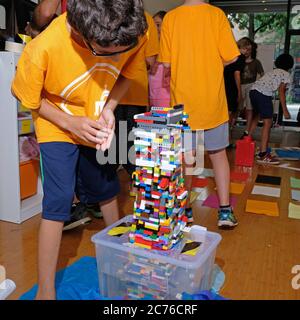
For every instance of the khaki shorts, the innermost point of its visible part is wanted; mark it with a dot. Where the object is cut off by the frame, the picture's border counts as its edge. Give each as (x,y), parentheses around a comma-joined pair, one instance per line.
(246,102)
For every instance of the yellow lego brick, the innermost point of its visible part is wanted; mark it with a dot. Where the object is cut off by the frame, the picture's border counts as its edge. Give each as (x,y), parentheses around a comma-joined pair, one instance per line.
(166,223)
(142,245)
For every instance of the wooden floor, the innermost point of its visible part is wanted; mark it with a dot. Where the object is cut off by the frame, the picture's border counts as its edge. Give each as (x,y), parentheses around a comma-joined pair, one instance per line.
(257,257)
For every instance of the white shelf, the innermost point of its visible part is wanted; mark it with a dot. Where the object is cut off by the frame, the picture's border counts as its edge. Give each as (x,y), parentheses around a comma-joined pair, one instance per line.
(33,205)
(12,209)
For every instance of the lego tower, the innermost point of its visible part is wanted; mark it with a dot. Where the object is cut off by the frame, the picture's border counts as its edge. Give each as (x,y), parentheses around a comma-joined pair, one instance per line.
(159,208)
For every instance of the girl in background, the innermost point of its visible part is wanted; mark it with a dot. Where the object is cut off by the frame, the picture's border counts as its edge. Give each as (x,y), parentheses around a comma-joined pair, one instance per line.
(159,90)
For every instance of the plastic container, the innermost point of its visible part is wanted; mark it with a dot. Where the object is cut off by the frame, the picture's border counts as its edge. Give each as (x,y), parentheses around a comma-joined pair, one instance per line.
(136,273)
(29,172)
(22,108)
(245,152)
(25,125)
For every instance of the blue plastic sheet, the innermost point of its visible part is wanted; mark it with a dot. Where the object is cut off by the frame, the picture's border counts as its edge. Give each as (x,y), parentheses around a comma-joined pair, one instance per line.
(79,281)
(293,154)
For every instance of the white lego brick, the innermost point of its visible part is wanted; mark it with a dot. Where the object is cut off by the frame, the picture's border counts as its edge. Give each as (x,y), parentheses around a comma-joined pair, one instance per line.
(144,163)
(142,143)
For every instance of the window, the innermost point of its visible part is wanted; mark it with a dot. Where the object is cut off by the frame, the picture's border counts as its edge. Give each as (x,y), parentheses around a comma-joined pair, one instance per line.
(2,17)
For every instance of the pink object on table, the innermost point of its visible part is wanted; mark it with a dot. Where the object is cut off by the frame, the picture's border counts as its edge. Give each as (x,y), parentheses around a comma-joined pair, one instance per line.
(212,201)
(159,96)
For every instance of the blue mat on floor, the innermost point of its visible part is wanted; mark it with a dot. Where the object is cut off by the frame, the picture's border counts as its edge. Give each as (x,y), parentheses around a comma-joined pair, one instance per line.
(79,281)
(293,154)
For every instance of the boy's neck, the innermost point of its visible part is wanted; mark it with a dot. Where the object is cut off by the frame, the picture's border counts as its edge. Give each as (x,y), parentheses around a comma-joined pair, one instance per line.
(193,2)
(75,36)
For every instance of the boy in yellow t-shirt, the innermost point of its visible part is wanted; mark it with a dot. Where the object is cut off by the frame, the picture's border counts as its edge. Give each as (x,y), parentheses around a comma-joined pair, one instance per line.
(196,43)
(72,76)
(135,100)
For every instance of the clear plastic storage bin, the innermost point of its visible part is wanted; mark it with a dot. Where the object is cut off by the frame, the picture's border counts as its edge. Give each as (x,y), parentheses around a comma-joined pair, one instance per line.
(131,272)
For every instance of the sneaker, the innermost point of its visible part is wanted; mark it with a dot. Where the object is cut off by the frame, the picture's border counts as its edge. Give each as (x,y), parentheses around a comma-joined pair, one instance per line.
(226,218)
(94,210)
(267,159)
(78,217)
(189,214)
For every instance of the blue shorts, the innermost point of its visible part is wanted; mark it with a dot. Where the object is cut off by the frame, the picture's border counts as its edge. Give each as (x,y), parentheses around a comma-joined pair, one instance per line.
(69,169)
(262,105)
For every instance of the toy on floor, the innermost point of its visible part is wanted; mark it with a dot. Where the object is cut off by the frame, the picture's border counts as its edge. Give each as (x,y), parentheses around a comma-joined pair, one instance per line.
(159,208)
(245,152)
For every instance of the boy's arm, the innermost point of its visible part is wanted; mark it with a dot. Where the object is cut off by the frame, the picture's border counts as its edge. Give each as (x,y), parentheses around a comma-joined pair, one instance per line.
(42,16)
(107,118)
(166,75)
(282,91)
(237,77)
(44,12)
(150,61)
(260,70)
(86,129)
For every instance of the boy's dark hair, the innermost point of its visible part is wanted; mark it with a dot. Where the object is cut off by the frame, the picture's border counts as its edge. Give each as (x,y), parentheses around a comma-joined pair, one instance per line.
(161,14)
(284,61)
(108,22)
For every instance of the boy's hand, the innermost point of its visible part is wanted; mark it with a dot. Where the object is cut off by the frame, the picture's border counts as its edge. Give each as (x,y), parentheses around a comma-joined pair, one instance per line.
(286,114)
(31,31)
(88,130)
(166,77)
(154,68)
(107,120)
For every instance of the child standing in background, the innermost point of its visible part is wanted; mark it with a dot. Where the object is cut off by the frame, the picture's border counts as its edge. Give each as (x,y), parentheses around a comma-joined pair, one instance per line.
(261,98)
(253,70)
(232,77)
(159,92)
(196,42)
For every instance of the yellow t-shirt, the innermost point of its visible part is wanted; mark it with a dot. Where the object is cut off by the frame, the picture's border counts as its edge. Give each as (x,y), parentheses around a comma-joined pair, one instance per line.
(196,40)
(55,67)
(137,94)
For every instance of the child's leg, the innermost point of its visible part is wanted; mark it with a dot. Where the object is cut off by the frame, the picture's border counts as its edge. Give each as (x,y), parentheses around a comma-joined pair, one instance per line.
(188,165)
(255,102)
(97,183)
(253,124)
(48,250)
(265,135)
(222,175)
(110,210)
(249,106)
(249,117)
(216,140)
(58,170)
